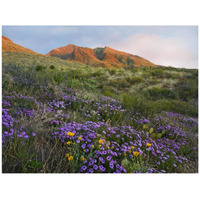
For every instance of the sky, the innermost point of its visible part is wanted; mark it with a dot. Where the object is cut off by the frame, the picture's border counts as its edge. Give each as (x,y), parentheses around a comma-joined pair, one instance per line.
(163,45)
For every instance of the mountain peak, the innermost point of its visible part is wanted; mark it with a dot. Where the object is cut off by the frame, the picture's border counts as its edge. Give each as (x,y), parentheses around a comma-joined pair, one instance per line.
(5,38)
(99,57)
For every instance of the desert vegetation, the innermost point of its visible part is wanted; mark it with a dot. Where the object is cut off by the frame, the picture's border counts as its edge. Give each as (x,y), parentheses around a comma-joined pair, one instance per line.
(66,117)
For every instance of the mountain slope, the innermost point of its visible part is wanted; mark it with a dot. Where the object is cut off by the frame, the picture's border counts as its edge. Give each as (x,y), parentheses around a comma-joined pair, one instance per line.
(99,57)
(8,45)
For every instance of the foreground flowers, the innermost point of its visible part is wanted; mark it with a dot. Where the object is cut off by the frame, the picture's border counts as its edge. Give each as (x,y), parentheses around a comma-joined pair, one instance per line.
(148,144)
(70,158)
(97,146)
(70,134)
(136,153)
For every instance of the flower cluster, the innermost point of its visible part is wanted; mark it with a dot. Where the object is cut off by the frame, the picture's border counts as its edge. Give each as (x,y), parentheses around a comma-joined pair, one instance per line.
(95,145)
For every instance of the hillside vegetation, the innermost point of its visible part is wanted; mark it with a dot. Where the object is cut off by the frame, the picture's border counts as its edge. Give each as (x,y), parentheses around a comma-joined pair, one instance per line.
(60,116)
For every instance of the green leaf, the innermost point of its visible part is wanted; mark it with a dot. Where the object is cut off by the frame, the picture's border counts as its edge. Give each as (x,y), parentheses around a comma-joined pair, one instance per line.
(163,132)
(153,135)
(145,126)
(151,130)
(85,96)
(159,135)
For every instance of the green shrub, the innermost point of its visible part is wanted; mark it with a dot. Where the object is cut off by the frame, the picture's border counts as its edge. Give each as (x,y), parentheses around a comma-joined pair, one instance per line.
(58,77)
(97,73)
(188,89)
(39,68)
(157,73)
(137,104)
(112,83)
(108,93)
(146,75)
(135,80)
(129,61)
(123,83)
(52,67)
(112,71)
(160,93)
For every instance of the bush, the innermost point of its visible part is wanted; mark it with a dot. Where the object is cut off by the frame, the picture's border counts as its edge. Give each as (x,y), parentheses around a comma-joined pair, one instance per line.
(112,83)
(58,77)
(157,73)
(137,104)
(188,89)
(108,93)
(97,73)
(112,71)
(135,80)
(52,67)
(160,93)
(123,83)
(39,68)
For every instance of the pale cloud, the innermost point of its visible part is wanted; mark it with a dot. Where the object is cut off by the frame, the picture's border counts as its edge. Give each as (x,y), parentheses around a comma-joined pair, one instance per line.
(159,50)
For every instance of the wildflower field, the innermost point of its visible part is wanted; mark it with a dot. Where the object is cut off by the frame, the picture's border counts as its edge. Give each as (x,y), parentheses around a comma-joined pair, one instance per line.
(65,117)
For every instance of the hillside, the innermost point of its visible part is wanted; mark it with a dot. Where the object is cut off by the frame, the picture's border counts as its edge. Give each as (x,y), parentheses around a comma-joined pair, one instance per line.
(99,57)
(10,46)
(60,114)
(27,59)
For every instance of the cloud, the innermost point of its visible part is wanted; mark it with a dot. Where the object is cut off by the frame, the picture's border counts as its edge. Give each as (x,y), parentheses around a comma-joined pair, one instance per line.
(160,50)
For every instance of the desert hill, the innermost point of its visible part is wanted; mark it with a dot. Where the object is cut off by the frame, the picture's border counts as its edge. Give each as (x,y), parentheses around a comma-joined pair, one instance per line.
(8,45)
(99,57)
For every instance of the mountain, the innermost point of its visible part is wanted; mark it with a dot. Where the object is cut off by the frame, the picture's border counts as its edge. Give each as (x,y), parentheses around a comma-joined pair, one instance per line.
(99,57)
(10,46)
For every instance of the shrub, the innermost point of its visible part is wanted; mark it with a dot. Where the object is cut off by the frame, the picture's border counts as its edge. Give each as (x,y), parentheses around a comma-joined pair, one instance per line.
(97,73)
(135,80)
(112,71)
(137,104)
(112,83)
(188,89)
(146,75)
(52,67)
(157,73)
(108,93)
(160,93)
(39,68)
(58,77)
(123,83)
(129,61)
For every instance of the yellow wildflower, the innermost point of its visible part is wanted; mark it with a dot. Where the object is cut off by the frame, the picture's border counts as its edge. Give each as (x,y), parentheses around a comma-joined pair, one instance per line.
(132,147)
(148,144)
(68,143)
(92,146)
(66,155)
(129,151)
(70,134)
(80,138)
(70,158)
(101,141)
(82,158)
(136,153)
(124,154)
